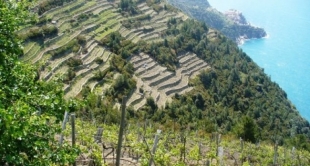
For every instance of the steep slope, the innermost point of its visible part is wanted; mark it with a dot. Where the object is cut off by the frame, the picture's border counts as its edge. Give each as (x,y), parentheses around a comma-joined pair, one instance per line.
(169,66)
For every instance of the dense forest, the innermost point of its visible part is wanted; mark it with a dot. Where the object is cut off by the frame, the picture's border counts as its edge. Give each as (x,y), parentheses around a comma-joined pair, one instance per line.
(233,97)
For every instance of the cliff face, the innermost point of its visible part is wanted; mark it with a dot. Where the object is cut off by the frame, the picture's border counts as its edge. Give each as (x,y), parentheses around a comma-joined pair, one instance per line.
(231,23)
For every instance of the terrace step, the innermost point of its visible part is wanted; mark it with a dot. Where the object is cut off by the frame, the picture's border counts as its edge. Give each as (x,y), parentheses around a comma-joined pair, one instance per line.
(154,94)
(104,7)
(178,89)
(54,47)
(136,39)
(76,88)
(149,12)
(89,50)
(56,8)
(190,62)
(135,98)
(92,8)
(141,5)
(150,36)
(144,35)
(92,85)
(86,76)
(122,30)
(99,52)
(163,77)
(106,55)
(55,65)
(143,8)
(171,83)
(87,69)
(146,68)
(58,72)
(139,58)
(140,104)
(192,66)
(158,16)
(143,63)
(154,69)
(131,36)
(150,77)
(183,59)
(197,70)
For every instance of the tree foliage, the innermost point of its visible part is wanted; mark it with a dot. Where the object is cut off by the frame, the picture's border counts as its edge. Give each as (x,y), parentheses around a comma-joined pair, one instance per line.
(30,110)
(128,6)
(247,129)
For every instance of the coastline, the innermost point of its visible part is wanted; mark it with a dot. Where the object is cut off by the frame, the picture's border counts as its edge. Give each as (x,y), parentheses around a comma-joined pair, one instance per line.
(288,42)
(243,39)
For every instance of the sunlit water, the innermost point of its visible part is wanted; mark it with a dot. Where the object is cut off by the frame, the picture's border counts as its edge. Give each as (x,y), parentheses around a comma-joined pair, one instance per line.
(285,54)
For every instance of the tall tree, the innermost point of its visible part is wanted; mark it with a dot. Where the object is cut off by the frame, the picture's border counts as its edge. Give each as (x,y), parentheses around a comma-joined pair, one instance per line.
(247,129)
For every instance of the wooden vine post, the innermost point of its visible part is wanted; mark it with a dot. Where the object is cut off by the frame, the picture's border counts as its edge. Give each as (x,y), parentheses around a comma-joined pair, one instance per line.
(200,149)
(63,127)
(218,140)
(73,132)
(121,131)
(241,144)
(275,158)
(208,163)
(220,155)
(183,150)
(284,159)
(154,147)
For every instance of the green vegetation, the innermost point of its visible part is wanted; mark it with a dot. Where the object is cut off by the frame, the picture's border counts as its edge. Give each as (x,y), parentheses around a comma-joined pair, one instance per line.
(155,4)
(30,109)
(232,96)
(176,146)
(128,6)
(37,33)
(235,86)
(71,46)
(119,45)
(46,5)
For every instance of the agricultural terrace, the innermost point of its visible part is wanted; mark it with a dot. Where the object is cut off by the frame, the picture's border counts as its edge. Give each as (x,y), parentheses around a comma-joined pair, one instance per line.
(72,52)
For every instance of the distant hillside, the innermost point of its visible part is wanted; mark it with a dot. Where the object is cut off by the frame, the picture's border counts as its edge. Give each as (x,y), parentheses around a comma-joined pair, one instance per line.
(231,23)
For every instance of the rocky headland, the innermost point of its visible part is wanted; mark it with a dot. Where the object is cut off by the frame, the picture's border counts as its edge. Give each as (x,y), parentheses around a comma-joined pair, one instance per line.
(231,23)
(242,27)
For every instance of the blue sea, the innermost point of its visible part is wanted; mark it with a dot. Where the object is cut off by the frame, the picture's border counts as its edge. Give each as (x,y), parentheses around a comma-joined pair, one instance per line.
(285,53)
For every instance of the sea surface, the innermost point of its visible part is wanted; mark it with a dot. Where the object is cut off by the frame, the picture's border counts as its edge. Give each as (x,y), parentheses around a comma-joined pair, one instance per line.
(285,53)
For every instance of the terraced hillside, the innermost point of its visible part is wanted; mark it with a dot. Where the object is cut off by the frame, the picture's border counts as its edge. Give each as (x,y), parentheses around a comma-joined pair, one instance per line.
(151,24)
(73,53)
(154,80)
(80,25)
